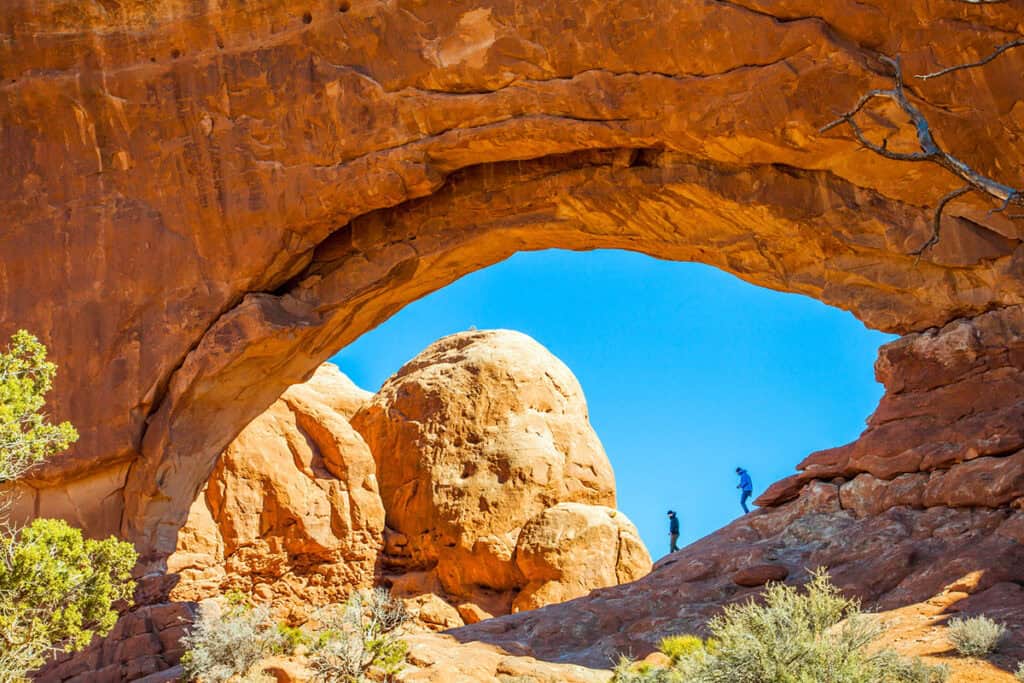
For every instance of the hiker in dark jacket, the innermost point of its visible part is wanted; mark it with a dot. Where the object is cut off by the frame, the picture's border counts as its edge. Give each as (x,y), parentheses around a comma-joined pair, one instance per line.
(673,531)
(745,486)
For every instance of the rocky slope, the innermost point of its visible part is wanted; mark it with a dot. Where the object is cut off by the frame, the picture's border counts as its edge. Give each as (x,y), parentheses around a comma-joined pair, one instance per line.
(926,508)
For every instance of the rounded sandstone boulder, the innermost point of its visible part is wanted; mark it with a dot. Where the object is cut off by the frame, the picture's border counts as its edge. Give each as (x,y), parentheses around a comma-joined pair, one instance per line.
(572,548)
(478,434)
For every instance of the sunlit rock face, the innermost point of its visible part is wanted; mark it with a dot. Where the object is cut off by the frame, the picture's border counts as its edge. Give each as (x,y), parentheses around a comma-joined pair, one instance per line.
(479,435)
(203,203)
(291,514)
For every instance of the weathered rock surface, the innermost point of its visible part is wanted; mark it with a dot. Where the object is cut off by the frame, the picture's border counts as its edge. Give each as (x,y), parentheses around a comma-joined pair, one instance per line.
(899,557)
(203,203)
(949,429)
(144,642)
(475,437)
(480,435)
(291,514)
(571,548)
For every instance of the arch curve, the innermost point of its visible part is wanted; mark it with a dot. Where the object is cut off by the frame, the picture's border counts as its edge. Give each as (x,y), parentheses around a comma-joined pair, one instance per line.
(212,226)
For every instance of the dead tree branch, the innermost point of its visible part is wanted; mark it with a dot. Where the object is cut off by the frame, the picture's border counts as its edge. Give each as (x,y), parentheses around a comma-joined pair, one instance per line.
(928,150)
(970,65)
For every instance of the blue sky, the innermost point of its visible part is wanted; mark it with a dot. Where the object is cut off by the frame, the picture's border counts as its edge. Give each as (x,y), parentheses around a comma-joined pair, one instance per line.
(688,371)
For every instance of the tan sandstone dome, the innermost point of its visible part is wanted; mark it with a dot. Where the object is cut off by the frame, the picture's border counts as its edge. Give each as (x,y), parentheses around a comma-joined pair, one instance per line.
(474,437)
(291,512)
(570,548)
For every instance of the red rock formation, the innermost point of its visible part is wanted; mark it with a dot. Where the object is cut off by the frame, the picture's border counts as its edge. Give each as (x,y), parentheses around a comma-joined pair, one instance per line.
(949,429)
(204,203)
(477,439)
(291,514)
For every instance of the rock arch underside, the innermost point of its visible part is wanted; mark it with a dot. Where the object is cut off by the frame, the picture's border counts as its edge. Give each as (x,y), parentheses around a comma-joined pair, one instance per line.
(202,202)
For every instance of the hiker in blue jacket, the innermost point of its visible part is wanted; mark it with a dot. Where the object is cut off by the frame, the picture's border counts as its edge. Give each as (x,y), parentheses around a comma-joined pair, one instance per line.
(673,531)
(745,486)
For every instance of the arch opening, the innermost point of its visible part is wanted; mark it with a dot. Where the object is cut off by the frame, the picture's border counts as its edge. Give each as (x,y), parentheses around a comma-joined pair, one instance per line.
(725,374)
(685,369)
(649,201)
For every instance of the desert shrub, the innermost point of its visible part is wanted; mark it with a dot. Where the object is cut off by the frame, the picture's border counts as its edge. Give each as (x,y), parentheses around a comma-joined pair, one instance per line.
(57,589)
(678,647)
(292,637)
(1019,674)
(358,638)
(629,671)
(25,435)
(976,636)
(229,641)
(814,636)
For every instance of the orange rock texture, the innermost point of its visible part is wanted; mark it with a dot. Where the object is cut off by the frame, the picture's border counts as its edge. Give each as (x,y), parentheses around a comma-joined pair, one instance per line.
(291,514)
(479,437)
(485,442)
(203,202)
(476,439)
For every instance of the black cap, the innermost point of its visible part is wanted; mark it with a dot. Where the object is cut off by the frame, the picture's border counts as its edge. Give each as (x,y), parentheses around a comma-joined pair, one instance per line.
(671,512)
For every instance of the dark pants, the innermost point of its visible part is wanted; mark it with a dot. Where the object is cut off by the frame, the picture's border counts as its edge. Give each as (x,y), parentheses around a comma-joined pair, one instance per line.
(743,500)
(672,546)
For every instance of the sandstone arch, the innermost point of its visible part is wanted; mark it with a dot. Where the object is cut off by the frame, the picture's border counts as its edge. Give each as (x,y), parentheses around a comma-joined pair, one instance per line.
(207,202)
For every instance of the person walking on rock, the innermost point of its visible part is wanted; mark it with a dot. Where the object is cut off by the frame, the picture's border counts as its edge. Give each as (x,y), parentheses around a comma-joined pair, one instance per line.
(746,488)
(673,531)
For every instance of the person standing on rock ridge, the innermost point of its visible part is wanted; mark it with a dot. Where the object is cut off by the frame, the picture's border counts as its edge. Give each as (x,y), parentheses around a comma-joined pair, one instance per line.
(673,531)
(746,488)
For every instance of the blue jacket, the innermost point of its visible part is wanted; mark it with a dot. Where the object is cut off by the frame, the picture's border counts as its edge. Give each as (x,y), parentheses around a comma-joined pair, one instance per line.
(673,525)
(745,483)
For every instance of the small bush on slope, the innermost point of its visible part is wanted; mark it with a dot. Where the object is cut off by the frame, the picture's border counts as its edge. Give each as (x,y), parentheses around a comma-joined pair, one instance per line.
(977,636)
(230,642)
(56,592)
(678,647)
(359,638)
(817,636)
(1019,675)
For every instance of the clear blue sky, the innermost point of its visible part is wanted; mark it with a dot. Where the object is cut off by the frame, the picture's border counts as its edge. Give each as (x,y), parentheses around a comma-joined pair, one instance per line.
(688,371)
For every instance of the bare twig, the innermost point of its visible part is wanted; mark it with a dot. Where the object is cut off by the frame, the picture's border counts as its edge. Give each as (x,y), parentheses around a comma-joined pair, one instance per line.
(937,219)
(928,150)
(971,65)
